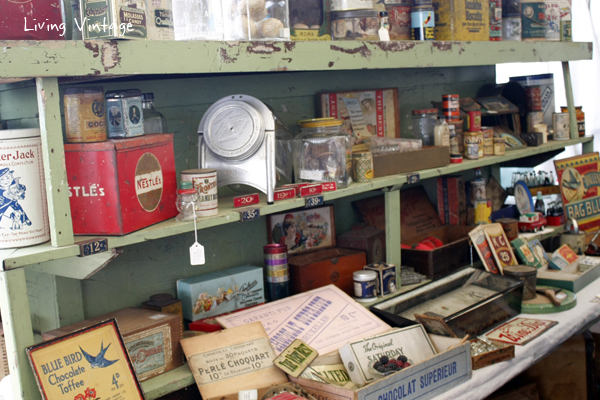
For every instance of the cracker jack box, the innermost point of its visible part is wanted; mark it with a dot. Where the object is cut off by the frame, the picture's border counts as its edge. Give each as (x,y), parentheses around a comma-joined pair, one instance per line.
(221,292)
(228,361)
(449,367)
(325,319)
(152,338)
(121,185)
(420,219)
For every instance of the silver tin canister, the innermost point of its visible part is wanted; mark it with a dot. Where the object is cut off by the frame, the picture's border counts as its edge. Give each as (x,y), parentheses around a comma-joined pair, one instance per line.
(23,206)
(124,117)
(205,181)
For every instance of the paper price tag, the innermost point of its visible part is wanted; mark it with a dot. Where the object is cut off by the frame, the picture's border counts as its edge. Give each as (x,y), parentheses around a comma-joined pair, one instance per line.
(197,254)
(384,35)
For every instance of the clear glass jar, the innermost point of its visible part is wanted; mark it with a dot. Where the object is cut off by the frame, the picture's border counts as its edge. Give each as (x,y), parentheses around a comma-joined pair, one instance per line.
(323,153)
(511,28)
(256,20)
(186,202)
(423,123)
(154,121)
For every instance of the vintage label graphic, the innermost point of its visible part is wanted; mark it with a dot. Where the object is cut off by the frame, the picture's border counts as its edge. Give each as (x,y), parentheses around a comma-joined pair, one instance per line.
(148,182)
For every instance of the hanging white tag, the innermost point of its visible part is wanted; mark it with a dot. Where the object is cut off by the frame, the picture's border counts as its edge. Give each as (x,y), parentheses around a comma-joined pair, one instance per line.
(384,35)
(197,254)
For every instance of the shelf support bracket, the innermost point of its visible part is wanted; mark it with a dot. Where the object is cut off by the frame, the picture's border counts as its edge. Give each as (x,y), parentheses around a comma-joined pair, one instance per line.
(57,190)
(392,229)
(570,100)
(18,332)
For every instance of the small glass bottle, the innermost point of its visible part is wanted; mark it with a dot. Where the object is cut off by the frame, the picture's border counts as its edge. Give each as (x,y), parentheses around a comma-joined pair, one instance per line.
(539,204)
(186,201)
(441,134)
(154,121)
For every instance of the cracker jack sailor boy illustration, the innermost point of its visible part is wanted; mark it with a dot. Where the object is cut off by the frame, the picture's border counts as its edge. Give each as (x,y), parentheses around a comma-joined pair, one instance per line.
(11,191)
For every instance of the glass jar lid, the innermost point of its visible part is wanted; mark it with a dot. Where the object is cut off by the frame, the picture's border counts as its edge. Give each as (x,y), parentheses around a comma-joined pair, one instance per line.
(319,122)
(119,94)
(432,111)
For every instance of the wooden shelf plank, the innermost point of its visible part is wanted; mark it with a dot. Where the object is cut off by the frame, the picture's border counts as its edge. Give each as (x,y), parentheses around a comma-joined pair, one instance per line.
(168,382)
(121,57)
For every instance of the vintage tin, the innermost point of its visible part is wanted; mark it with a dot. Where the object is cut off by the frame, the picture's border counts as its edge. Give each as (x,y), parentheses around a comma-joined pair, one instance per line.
(474,137)
(540,20)
(510,226)
(534,118)
(386,277)
(526,274)
(488,141)
(362,164)
(106,19)
(561,124)
(499,147)
(422,23)
(151,338)
(546,84)
(119,186)
(84,115)
(471,150)
(534,98)
(478,191)
(474,120)
(355,25)
(160,20)
(277,273)
(483,211)
(553,20)
(19,19)
(399,14)
(124,116)
(365,285)
(205,181)
(495,20)
(580,118)
(465,20)
(451,107)
(23,207)
(459,139)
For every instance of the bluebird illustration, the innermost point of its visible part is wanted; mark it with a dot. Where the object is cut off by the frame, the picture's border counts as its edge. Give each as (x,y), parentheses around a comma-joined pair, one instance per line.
(99,361)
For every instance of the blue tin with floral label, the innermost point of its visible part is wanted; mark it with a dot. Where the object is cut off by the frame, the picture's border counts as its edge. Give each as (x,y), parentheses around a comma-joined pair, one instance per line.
(124,117)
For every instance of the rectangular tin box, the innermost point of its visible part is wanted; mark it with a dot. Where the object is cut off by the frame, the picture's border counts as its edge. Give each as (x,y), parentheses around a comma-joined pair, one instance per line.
(452,202)
(451,367)
(386,277)
(152,338)
(221,292)
(18,20)
(368,239)
(325,267)
(467,20)
(108,19)
(399,163)
(483,315)
(119,186)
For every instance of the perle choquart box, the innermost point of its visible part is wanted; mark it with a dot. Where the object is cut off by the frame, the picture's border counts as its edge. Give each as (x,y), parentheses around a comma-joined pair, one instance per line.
(119,186)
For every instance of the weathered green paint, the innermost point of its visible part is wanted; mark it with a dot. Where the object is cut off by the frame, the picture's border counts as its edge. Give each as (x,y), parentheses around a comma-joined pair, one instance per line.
(570,101)
(168,382)
(587,147)
(18,333)
(392,229)
(129,57)
(59,210)
(76,267)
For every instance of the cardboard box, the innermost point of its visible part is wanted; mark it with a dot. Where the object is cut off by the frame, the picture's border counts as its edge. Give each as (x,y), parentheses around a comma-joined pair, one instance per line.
(371,113)
(119,186)
(452,201)
(365,238)
(152,339)
(465,20)
(325,267)
(419,220)
(423,381)
(399,163)
(221,292)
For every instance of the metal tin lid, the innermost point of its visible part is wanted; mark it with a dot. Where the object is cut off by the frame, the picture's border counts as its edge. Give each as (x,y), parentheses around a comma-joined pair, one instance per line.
(19,133)
(185,185)
(199,171)
(425,111)
(86,90)
(456,159)
(319,122)
(186,191)
(354,14)
(120,94)
(234,129)
(519,270)
(362,154)
(276,248)
(364,276)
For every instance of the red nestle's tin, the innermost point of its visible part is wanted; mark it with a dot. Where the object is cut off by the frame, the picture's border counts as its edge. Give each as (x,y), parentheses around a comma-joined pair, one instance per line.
(119,186)
(246,200)
(285,193)
(311,190)
(329,186)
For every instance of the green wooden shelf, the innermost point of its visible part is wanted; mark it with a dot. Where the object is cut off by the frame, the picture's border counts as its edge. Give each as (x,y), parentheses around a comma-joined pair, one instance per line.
(26,60)
(168,382)
(16,258)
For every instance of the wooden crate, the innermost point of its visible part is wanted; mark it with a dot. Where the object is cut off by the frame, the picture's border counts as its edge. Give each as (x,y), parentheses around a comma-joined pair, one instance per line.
(503,353)
(398,163)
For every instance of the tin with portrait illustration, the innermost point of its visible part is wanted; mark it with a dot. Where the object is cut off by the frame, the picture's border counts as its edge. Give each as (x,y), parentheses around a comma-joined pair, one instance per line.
(124,117)
(23,207)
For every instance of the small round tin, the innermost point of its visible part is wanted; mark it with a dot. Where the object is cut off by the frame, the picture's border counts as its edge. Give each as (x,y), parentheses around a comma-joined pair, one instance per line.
(524,273)
(362,164)
(365,285)
(499,147)
(422,22)
(471,151)
(399,12)
(205,181)
(510,226)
